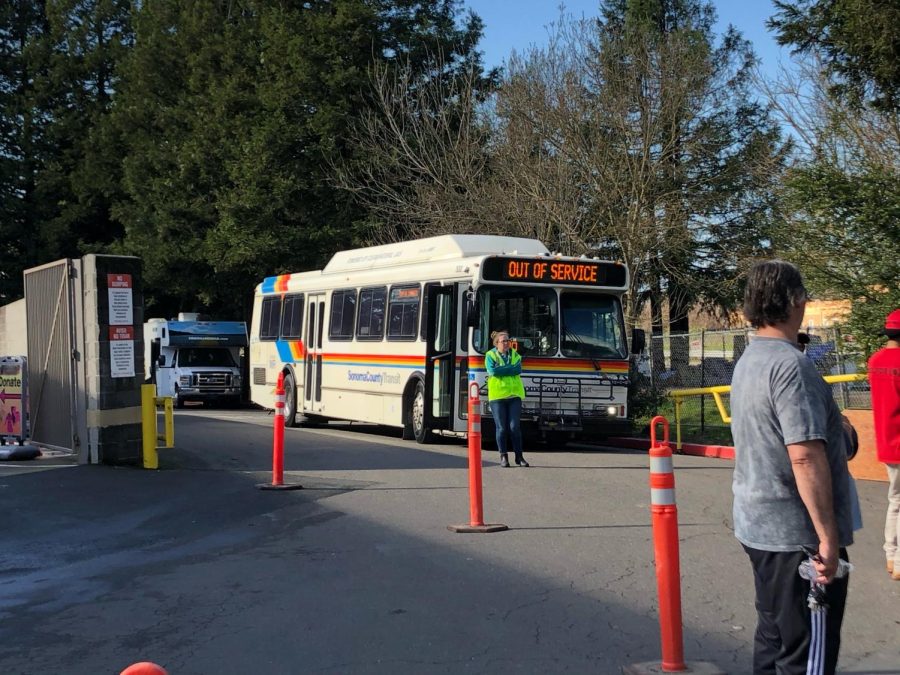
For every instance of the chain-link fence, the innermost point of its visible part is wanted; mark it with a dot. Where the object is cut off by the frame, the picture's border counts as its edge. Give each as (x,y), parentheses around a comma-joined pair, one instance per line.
(707,358)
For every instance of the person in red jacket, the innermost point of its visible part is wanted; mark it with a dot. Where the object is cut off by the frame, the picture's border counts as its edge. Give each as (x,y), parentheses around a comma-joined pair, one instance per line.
(884,380)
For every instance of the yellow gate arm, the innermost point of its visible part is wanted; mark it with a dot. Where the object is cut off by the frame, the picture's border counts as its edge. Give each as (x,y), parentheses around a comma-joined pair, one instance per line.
(678,396)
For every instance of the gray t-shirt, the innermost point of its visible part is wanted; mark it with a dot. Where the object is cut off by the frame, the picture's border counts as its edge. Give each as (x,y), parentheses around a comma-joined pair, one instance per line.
(778,399)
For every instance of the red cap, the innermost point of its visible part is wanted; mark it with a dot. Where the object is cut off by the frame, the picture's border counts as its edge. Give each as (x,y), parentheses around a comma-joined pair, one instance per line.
(892,322)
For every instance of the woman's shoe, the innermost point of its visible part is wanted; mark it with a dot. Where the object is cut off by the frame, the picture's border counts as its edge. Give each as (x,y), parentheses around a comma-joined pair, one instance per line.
(504,461)
(520,461)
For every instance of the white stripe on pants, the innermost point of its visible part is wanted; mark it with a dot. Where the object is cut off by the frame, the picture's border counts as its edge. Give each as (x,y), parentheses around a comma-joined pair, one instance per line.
(892,520)
(815,664)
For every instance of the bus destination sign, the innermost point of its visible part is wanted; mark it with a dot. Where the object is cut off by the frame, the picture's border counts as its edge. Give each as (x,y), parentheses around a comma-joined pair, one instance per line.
(556,272)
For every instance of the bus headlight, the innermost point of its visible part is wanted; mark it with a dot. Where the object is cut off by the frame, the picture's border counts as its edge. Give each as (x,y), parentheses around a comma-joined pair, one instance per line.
(612,411)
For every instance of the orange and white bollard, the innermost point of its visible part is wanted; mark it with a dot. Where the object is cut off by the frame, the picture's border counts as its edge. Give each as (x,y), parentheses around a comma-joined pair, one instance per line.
(144,668)
(665,547)
(664,515)
(278,443)
(476,505)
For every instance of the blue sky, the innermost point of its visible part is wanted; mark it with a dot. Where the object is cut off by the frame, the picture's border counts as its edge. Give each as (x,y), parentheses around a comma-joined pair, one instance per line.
(516,24)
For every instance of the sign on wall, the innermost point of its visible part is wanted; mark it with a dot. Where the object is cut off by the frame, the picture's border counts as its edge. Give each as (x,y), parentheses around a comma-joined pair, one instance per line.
(12,418)
(121,303)
(121,351)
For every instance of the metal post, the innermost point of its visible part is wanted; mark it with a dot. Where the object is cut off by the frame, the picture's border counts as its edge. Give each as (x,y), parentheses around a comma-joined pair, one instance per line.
(702,379)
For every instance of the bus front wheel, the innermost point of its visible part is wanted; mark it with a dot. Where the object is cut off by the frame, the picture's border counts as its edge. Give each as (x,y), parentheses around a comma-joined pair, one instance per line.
(417,414)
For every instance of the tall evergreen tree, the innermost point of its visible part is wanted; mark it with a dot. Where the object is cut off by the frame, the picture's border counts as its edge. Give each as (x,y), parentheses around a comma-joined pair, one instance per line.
(87,41)
(57,77)
(842,198)
(231,116)
(23,28)
(708,152)
(857,40)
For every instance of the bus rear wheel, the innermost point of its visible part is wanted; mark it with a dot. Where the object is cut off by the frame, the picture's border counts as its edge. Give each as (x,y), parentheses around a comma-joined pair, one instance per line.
(290,400)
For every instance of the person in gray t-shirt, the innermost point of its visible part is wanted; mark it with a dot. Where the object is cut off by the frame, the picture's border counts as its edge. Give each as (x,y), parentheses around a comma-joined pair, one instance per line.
(791,483)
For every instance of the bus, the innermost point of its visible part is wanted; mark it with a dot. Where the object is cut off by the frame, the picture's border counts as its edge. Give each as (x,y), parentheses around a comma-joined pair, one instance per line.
(393,334)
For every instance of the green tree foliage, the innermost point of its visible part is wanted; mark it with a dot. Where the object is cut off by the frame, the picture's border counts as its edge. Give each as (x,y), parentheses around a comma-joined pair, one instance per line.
(57,77)
(704,152)
(842,199)
(858,41)
(87,41)
(231,116)
(845,236)
(23,27)
(199,135)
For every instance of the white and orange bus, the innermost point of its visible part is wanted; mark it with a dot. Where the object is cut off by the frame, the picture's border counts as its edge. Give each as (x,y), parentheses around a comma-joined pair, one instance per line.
(392,335)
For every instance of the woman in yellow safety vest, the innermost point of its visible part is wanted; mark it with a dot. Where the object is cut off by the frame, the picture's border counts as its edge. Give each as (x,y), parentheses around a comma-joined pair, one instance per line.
(505,393)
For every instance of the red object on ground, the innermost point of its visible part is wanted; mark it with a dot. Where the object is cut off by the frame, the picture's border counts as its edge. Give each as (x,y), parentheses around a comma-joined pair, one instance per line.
(278,436)
(665,547)
(144,668)
(476,506)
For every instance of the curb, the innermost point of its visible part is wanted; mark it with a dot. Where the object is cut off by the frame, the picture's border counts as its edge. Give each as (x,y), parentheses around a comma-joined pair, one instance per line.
(696,449)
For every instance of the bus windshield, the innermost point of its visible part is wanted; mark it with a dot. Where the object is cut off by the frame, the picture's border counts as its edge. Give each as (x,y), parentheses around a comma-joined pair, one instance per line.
(591,326)
(529,314)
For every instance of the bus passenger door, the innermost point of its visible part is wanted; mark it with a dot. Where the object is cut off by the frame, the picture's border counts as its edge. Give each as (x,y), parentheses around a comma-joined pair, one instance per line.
(440,349)
(312,365)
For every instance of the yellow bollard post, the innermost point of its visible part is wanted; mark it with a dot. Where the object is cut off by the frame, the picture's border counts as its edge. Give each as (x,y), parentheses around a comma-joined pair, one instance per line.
(148,426)
(169,421)
(678,403)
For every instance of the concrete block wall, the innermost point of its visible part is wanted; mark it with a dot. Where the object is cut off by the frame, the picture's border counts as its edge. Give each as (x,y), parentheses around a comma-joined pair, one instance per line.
(113,403)
(13,329)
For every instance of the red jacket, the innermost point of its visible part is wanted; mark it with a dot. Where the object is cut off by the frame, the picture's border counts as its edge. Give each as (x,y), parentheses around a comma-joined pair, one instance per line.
(884,378)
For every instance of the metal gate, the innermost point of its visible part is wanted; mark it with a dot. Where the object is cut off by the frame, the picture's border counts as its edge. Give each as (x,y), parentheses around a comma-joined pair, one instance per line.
(53,300)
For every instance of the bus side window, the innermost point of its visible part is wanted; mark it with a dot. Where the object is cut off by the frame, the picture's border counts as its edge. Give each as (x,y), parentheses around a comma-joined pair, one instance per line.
(403,312)
(270,320)
(343,311)
(370,322)
(292,317)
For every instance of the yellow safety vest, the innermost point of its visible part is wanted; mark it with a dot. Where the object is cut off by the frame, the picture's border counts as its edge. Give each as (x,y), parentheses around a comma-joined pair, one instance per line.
(504,386)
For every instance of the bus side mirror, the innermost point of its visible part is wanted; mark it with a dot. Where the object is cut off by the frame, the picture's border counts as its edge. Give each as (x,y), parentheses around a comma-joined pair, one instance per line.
(638,341)
(473,312)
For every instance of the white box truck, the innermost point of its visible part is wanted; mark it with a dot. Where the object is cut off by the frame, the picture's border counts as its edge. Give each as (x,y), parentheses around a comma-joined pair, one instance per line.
(192,360)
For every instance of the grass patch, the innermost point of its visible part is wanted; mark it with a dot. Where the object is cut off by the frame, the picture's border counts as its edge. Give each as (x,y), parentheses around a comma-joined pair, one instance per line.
(700,421)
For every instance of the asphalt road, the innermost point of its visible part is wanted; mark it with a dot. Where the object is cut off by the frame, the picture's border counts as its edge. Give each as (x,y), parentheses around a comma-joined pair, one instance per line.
(194,568)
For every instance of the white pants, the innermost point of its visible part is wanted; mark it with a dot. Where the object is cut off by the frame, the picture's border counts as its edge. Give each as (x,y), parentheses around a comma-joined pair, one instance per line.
(892,521)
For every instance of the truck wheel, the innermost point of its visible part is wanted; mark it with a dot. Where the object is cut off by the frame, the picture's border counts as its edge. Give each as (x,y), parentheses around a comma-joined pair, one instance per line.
(179,402)
(290,401)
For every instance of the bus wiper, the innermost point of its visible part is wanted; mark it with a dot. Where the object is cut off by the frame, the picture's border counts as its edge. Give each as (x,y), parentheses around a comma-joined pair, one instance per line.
(584,347)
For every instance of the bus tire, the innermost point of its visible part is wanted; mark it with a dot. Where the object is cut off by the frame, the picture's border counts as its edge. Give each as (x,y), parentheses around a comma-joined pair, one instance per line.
(290,400)
(409,395)
(179,401)
(417,414)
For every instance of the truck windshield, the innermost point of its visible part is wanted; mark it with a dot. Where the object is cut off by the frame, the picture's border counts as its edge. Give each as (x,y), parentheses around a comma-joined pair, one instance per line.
(529,314)
(591,326)
(198,357)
